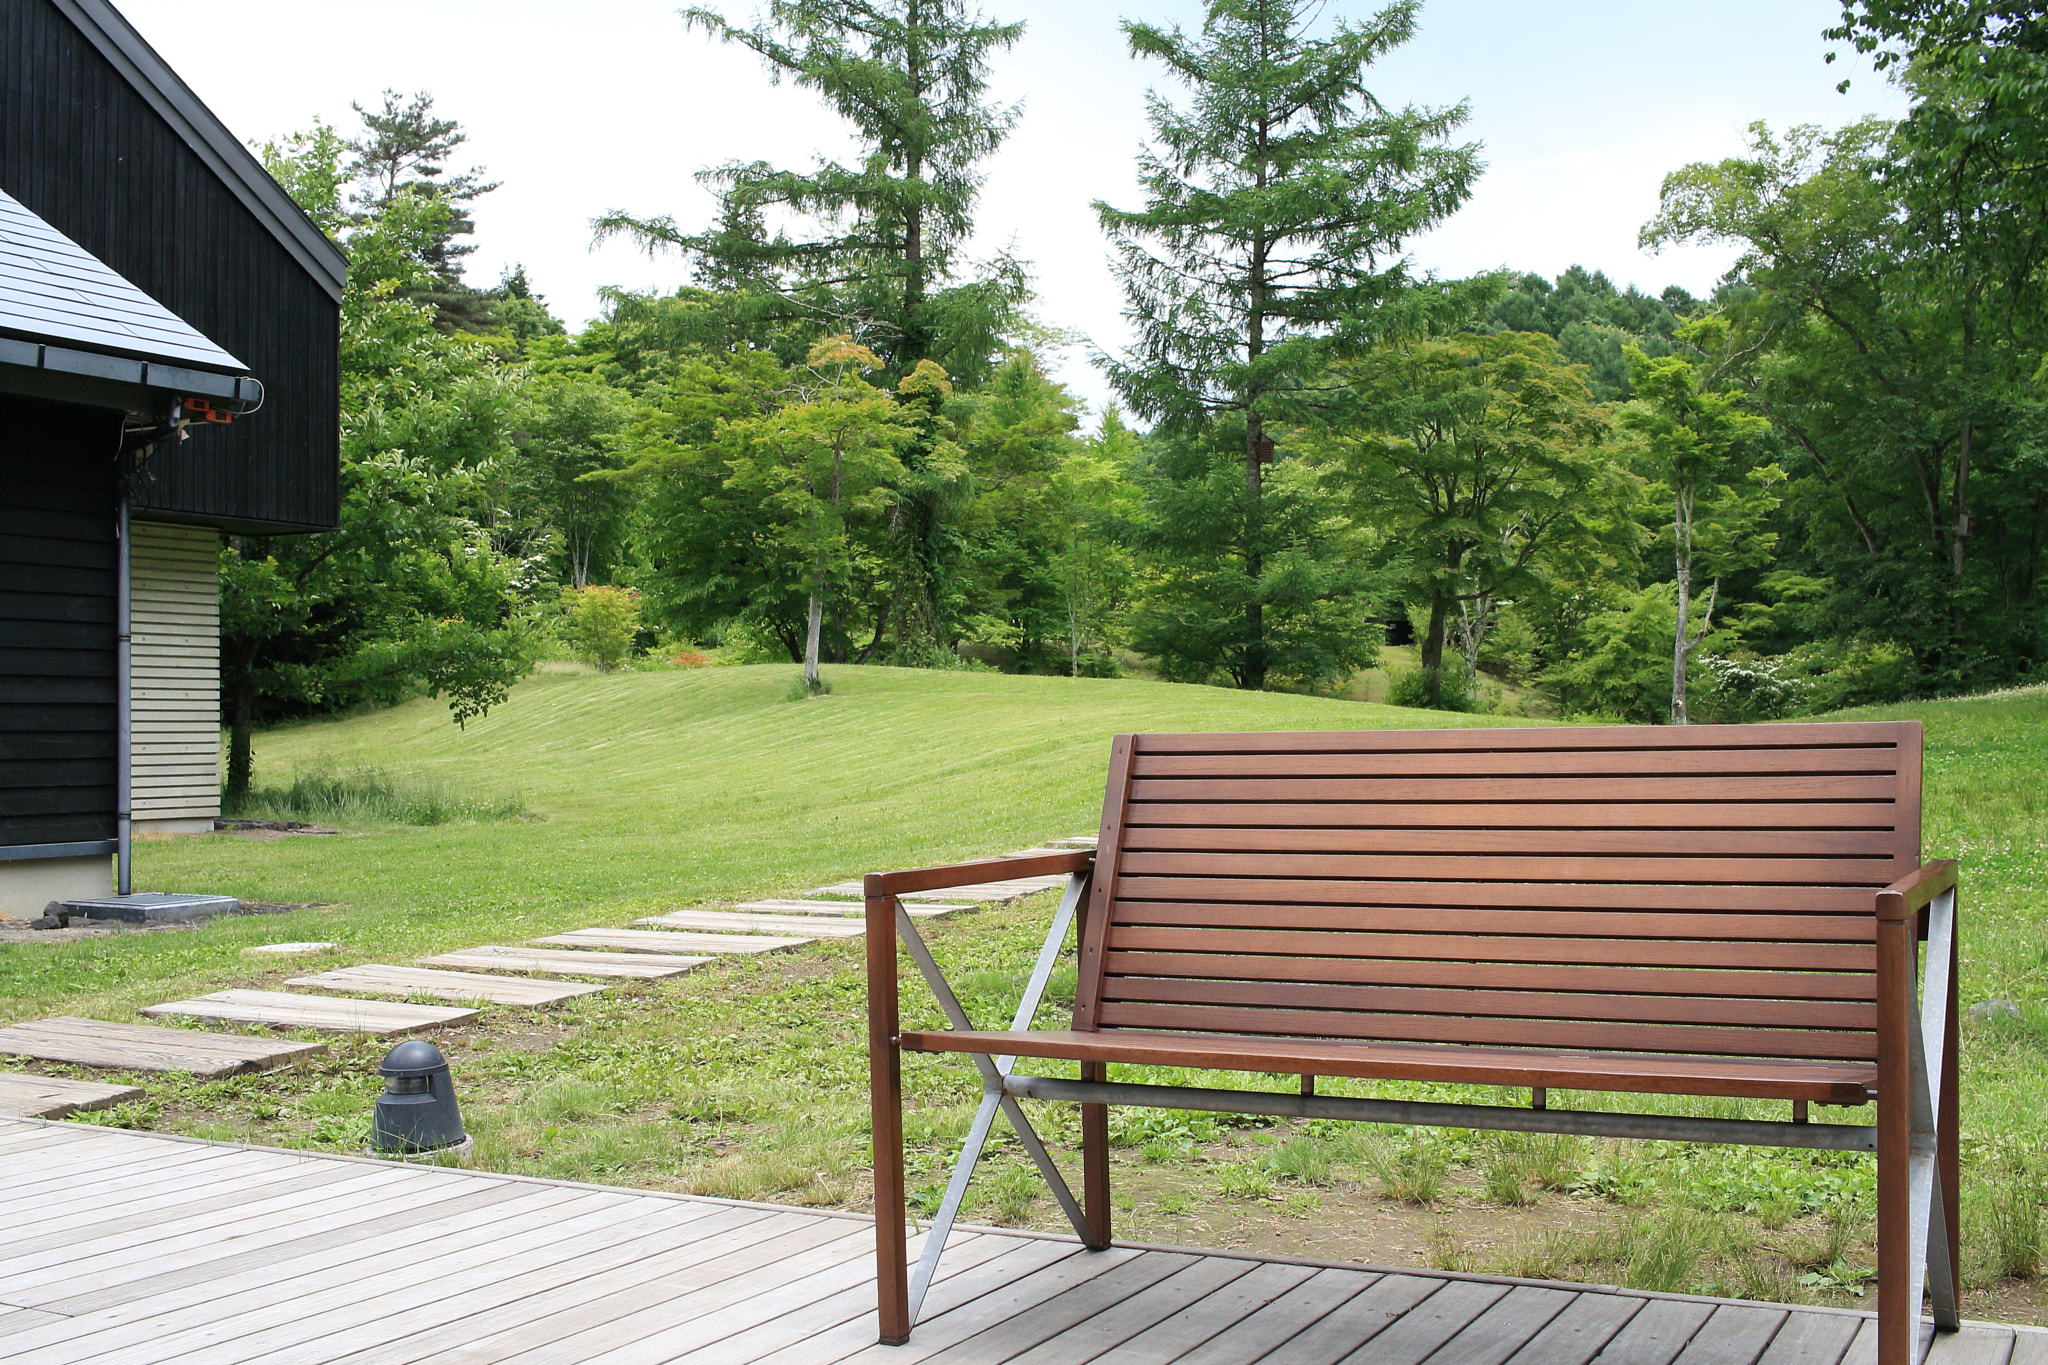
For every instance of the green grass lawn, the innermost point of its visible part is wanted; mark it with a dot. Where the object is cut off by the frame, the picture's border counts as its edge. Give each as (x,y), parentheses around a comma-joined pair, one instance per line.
(655,790)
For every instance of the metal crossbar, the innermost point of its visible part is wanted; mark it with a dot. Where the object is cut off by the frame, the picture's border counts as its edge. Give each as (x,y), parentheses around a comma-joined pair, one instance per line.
(995,1071)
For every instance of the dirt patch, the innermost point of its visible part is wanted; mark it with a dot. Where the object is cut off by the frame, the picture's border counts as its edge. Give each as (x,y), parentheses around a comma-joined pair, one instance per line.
(270,829)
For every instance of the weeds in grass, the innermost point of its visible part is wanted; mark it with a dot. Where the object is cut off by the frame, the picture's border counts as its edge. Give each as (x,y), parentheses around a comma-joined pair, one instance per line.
(1012,1191)
(1768,1279)
(1244,1180)
(1410,1172)
(1548,1255)
(1555,1159)
(1507,1172)
(1657,1251)
(1175,1203)
(1446,1252)
(373,796)
(2014,1205)
(1622,1175)
(800,688)
(1305,1161)
(1302,1203)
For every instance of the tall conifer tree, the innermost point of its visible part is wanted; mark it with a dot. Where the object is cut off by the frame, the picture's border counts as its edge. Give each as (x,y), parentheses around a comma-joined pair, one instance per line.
(1278,202)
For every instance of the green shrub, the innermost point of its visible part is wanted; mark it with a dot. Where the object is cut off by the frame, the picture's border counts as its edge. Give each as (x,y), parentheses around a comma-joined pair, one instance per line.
(602,623)
(1450,688)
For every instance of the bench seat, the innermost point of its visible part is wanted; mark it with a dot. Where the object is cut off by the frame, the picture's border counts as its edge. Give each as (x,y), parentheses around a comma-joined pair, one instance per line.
(1838,1083)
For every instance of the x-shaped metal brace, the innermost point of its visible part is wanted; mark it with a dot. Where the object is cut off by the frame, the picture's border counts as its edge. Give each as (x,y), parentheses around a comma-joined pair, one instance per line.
(993,1072)
(1931,1271)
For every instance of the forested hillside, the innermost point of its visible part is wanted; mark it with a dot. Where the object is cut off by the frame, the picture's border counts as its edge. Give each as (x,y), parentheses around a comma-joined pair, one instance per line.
(1823,485)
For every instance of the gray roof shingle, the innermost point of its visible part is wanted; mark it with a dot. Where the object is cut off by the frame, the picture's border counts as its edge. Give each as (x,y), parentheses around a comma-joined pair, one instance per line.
(55,292)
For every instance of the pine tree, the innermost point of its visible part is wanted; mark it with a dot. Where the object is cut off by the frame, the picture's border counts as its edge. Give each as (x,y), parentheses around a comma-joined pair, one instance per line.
(882,254)
(1278,202)
(402,149)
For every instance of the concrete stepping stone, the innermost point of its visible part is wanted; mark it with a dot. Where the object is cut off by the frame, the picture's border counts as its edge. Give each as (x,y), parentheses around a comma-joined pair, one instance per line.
(141,1047)
(722,921)
(51,1097)
(672,940)
(562,962)
(292,949)
(858,907)
(282,1009)
(1008,890)
(378,978)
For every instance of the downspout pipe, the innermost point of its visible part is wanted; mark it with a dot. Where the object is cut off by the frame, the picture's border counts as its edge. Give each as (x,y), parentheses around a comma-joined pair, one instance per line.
(124,710)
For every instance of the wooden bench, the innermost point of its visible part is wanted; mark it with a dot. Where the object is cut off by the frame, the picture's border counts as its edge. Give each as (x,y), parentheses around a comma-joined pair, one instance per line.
(1698,911)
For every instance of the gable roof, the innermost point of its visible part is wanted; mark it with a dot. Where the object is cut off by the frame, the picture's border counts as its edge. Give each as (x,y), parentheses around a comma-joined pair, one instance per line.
(235,165)
(55,292)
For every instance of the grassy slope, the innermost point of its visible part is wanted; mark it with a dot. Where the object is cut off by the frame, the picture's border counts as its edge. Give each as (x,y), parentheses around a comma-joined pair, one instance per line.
(664,789)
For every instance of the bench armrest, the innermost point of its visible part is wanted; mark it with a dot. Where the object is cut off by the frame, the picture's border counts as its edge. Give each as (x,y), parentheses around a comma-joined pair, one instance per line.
(877,884)
(1911,893)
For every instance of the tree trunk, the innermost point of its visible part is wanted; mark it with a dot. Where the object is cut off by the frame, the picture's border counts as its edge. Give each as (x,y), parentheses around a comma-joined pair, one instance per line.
(1679,648)
(817,619)
(1433,645)
(241,725)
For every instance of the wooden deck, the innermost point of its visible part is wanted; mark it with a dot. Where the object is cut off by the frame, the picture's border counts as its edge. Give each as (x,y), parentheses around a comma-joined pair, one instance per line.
(130,1247)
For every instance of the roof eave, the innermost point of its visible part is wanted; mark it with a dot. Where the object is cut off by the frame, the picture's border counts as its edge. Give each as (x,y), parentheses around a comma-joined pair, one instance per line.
(236,166)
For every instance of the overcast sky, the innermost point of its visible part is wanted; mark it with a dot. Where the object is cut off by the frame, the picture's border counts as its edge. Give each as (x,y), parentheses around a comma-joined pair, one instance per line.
(1583,107)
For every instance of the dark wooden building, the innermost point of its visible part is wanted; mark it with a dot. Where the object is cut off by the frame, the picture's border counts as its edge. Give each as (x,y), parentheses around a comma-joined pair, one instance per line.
(153,280)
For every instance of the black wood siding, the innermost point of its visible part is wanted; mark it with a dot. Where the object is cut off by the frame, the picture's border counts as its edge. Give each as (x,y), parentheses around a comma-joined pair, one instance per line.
(57,582)
(84,150)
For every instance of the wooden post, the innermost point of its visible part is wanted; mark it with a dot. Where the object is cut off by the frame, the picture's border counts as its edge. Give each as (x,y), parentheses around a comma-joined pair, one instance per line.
(885,1090)
(1897,1320)
(1095,1158)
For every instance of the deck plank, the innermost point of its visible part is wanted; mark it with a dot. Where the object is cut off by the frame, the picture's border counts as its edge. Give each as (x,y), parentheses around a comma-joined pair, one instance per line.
(1285,1317)
(1656,1334)
(1736,1334)
(496,957)
(1353,1324)
(385,1322)
(1215,1312)
(1009,1336)
(617,1314)
(1508,1324)
(1178,1293)
(1972,1345)
(1812,1339)
(23,1096)
(1581,1331)
(1415,1336)
(666,941)
(2029,1347)
(281,1009)
(377,978)
(144,1047)
(761,1334)
(942,1331)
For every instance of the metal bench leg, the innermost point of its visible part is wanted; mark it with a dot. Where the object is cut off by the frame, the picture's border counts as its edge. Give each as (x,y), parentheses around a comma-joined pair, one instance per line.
(993,1070)
(1916,1194)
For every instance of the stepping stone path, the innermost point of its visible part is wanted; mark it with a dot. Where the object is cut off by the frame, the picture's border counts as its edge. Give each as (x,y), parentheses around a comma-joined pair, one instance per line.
(813,926)
(378,979)
(840,908)
(281,1009)
(50,1097)
(670,940)
(646,953)
(140,1047)
(558,962)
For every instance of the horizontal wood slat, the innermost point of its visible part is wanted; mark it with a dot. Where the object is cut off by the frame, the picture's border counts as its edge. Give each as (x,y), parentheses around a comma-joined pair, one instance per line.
(1809,735)
(1794,957)
(1527,763)
(1635,1009)
(1472,790)
(1745,843)
(1548,923)
(1641,815)
(1680,1038)
(1826,1082)
(1869,872)
(1817,900)
(1499,975)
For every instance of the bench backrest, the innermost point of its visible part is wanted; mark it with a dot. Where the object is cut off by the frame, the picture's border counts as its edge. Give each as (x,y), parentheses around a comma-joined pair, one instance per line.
(1701,889)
